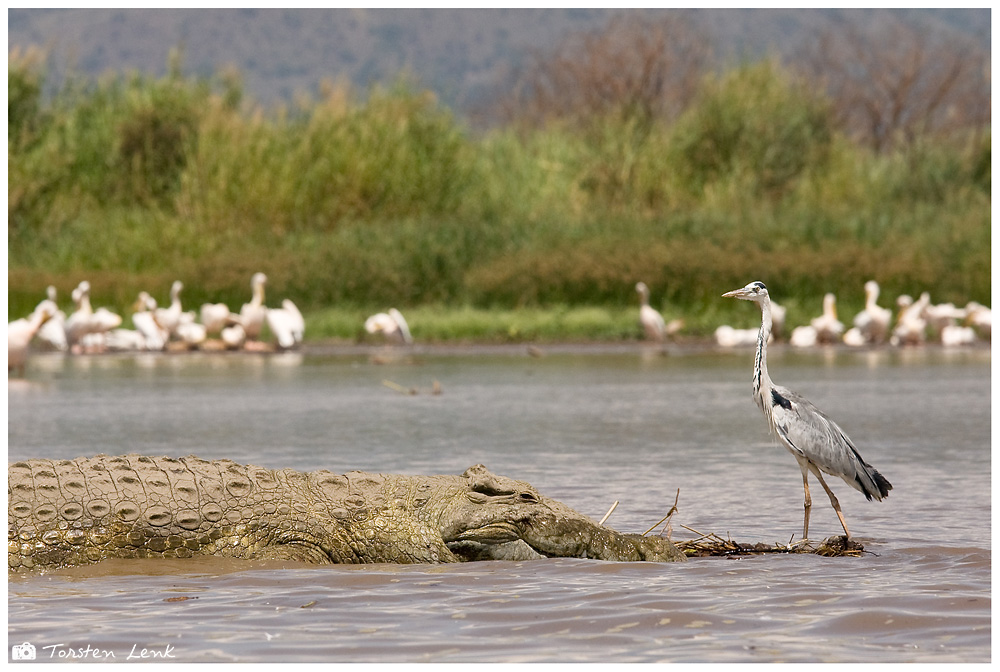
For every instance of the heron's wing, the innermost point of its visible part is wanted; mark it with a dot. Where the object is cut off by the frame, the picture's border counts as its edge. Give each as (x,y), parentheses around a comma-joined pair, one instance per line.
(808,432)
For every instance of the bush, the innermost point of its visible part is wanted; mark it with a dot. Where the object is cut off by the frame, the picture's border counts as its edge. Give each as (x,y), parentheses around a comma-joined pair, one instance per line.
(398,154)
(753,125)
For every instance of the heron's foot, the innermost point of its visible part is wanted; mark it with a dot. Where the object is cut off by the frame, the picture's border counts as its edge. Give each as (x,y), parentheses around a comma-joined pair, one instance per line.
(840,544)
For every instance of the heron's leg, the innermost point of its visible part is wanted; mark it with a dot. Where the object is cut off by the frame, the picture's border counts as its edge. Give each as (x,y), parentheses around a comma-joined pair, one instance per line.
(833,500)
(807,504)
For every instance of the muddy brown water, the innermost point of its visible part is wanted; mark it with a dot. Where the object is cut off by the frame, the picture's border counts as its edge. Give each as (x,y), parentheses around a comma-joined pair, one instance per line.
(588,426)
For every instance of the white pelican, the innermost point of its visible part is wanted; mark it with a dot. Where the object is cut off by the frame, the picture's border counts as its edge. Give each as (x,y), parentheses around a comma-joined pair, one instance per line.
(828,328)
(940,316)
(234,336)
(980,318)
(391,324)
(652,322)
(854,337)
(154,336)
(52,333)
(286,324)
(215,316)
(729,337)
(20,332)
(123,340)
(103,321)
(254,314)
(85,320)
(170,317)
(952,335)
(804,336)
(778,319)
(874,321)
(189,331)
(78,322)
(910,326)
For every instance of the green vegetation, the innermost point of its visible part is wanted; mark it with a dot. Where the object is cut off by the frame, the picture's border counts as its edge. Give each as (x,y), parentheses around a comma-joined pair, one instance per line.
(351,204)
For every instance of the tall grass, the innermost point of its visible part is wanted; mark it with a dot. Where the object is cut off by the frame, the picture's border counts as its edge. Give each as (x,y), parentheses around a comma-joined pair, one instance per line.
(354,202)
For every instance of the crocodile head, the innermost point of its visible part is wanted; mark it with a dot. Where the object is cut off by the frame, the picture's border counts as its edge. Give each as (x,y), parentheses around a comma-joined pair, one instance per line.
(504,519)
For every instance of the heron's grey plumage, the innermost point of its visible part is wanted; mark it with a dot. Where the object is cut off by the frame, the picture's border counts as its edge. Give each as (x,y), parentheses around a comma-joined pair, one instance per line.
(817,442)
(808,432)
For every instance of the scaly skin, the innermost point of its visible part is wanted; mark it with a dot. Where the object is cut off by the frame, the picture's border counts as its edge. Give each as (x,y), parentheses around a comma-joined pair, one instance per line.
(75,512)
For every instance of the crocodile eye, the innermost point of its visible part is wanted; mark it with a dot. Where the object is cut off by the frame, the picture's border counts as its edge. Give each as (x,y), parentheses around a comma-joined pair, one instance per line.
(527,497)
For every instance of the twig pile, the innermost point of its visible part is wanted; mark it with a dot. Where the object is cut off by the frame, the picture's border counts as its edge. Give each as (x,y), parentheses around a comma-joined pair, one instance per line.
(711,544)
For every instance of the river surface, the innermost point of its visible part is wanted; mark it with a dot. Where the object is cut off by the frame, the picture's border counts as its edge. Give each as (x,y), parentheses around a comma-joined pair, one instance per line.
(587,426)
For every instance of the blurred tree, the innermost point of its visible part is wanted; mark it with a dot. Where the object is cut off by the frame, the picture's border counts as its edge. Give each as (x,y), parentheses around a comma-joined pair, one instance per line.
(892,82)
(637,68)
(755,124)
(24,91)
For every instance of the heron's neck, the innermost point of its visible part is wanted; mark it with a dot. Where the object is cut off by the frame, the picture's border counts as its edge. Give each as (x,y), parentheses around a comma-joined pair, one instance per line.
(760,362)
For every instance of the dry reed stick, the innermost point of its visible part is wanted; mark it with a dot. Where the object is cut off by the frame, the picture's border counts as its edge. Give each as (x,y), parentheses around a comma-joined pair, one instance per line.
(608,514)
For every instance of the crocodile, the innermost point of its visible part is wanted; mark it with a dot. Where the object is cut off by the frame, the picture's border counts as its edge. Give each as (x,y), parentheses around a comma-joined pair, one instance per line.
(63,513)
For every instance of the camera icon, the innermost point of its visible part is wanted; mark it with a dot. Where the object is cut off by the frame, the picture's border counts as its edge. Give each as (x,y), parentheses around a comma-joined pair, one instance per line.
(24,651)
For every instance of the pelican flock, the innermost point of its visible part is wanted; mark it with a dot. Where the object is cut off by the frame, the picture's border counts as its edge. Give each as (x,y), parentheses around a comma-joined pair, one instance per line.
(156,328)
(215,327)
(917,322)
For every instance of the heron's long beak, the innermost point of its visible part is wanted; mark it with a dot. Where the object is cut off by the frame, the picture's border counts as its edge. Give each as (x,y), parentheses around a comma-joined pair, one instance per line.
(735,293)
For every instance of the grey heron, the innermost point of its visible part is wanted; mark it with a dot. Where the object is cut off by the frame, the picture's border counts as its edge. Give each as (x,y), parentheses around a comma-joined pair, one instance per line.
(817,442)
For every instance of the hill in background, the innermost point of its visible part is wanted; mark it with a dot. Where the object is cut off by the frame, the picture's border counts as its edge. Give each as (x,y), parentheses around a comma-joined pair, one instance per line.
(467,56)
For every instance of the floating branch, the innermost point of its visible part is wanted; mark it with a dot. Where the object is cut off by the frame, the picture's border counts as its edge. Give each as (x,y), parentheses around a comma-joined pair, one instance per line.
(435,388)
